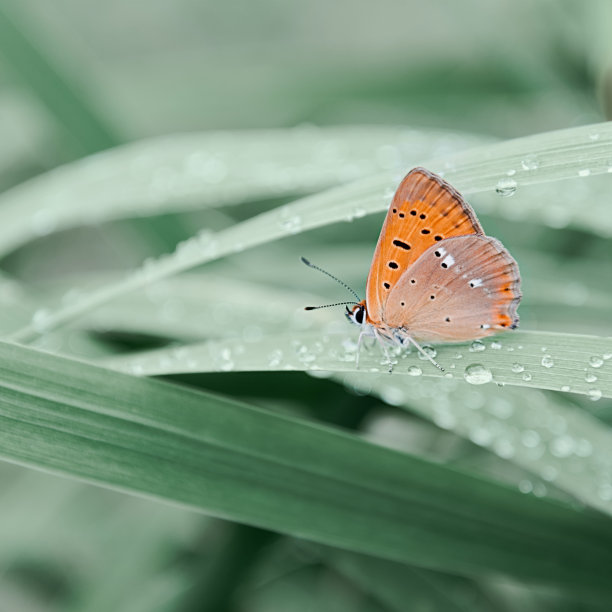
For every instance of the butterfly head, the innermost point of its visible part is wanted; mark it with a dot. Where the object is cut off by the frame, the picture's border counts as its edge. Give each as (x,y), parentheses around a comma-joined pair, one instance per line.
(357,314)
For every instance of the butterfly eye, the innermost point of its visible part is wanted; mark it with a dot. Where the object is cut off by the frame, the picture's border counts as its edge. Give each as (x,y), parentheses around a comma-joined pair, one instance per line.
(359,316)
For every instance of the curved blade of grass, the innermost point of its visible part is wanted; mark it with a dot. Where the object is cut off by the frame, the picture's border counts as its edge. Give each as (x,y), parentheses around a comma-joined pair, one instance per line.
(560,155)
(543,360)
(230,460)
(192,171)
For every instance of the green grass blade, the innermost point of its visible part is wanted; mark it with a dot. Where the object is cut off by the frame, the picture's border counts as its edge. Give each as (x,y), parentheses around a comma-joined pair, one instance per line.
(543,360)
(193,171)
(561,155)
(231,460)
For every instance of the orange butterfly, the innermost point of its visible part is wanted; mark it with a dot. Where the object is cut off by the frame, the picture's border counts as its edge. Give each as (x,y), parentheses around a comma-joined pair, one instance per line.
(435,276)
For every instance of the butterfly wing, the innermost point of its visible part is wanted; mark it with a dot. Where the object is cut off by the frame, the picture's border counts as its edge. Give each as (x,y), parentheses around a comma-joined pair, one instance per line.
(425,210)
(459,289)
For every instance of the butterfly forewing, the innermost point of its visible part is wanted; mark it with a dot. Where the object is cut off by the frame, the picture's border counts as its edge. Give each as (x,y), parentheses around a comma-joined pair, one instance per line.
(425,211)
(460,289)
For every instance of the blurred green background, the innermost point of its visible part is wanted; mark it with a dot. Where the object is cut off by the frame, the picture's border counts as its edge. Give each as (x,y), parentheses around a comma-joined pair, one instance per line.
(78,77)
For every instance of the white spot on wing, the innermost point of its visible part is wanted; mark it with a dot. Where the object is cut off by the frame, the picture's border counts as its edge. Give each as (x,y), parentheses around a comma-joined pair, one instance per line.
(448,260)
(476,282)
(441,250)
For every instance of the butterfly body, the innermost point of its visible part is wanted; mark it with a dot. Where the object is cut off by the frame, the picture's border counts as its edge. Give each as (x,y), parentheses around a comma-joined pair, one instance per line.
(435,275)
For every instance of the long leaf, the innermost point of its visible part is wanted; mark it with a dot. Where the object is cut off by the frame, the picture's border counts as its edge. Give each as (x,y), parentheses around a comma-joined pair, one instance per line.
(231,460)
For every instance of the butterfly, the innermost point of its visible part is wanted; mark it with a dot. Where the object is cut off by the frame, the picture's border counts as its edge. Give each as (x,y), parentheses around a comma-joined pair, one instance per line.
(435,275)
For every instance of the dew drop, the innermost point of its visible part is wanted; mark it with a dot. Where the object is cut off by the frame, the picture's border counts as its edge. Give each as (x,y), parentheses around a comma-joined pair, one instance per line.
(590,377)
(595,361)
(496,345)
(547,361)
(517,368)
(477,346)
(477,374)
(595,394)
(275,358)
(584,172)
(428,350)
(506,187)
(414,371)
(549,473)
(527,376)
(292,224)
(530,163)
(565,388)
(525,486)
(539,490)
(563,446)
(530,438)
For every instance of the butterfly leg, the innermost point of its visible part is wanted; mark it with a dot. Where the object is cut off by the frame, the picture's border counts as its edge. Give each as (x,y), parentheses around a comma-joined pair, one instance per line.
(390,361)
(359,343)
(422,351)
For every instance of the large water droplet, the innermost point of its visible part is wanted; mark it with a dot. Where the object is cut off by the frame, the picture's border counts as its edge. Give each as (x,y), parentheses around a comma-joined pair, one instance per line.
(477,374)
(517,368)
(596,361)
(414,371)
(547,361)
(506,187)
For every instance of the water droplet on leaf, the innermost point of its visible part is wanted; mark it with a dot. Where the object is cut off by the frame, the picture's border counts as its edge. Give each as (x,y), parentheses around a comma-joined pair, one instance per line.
(477,374)
(547,361)
(506,187)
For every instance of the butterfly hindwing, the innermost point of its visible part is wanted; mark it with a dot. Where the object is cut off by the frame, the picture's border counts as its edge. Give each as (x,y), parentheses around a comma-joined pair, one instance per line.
(462,288)
(425,211)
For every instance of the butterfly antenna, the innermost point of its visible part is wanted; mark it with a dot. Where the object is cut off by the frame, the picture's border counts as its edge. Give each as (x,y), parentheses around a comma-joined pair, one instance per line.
(311,265)
(328,305)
